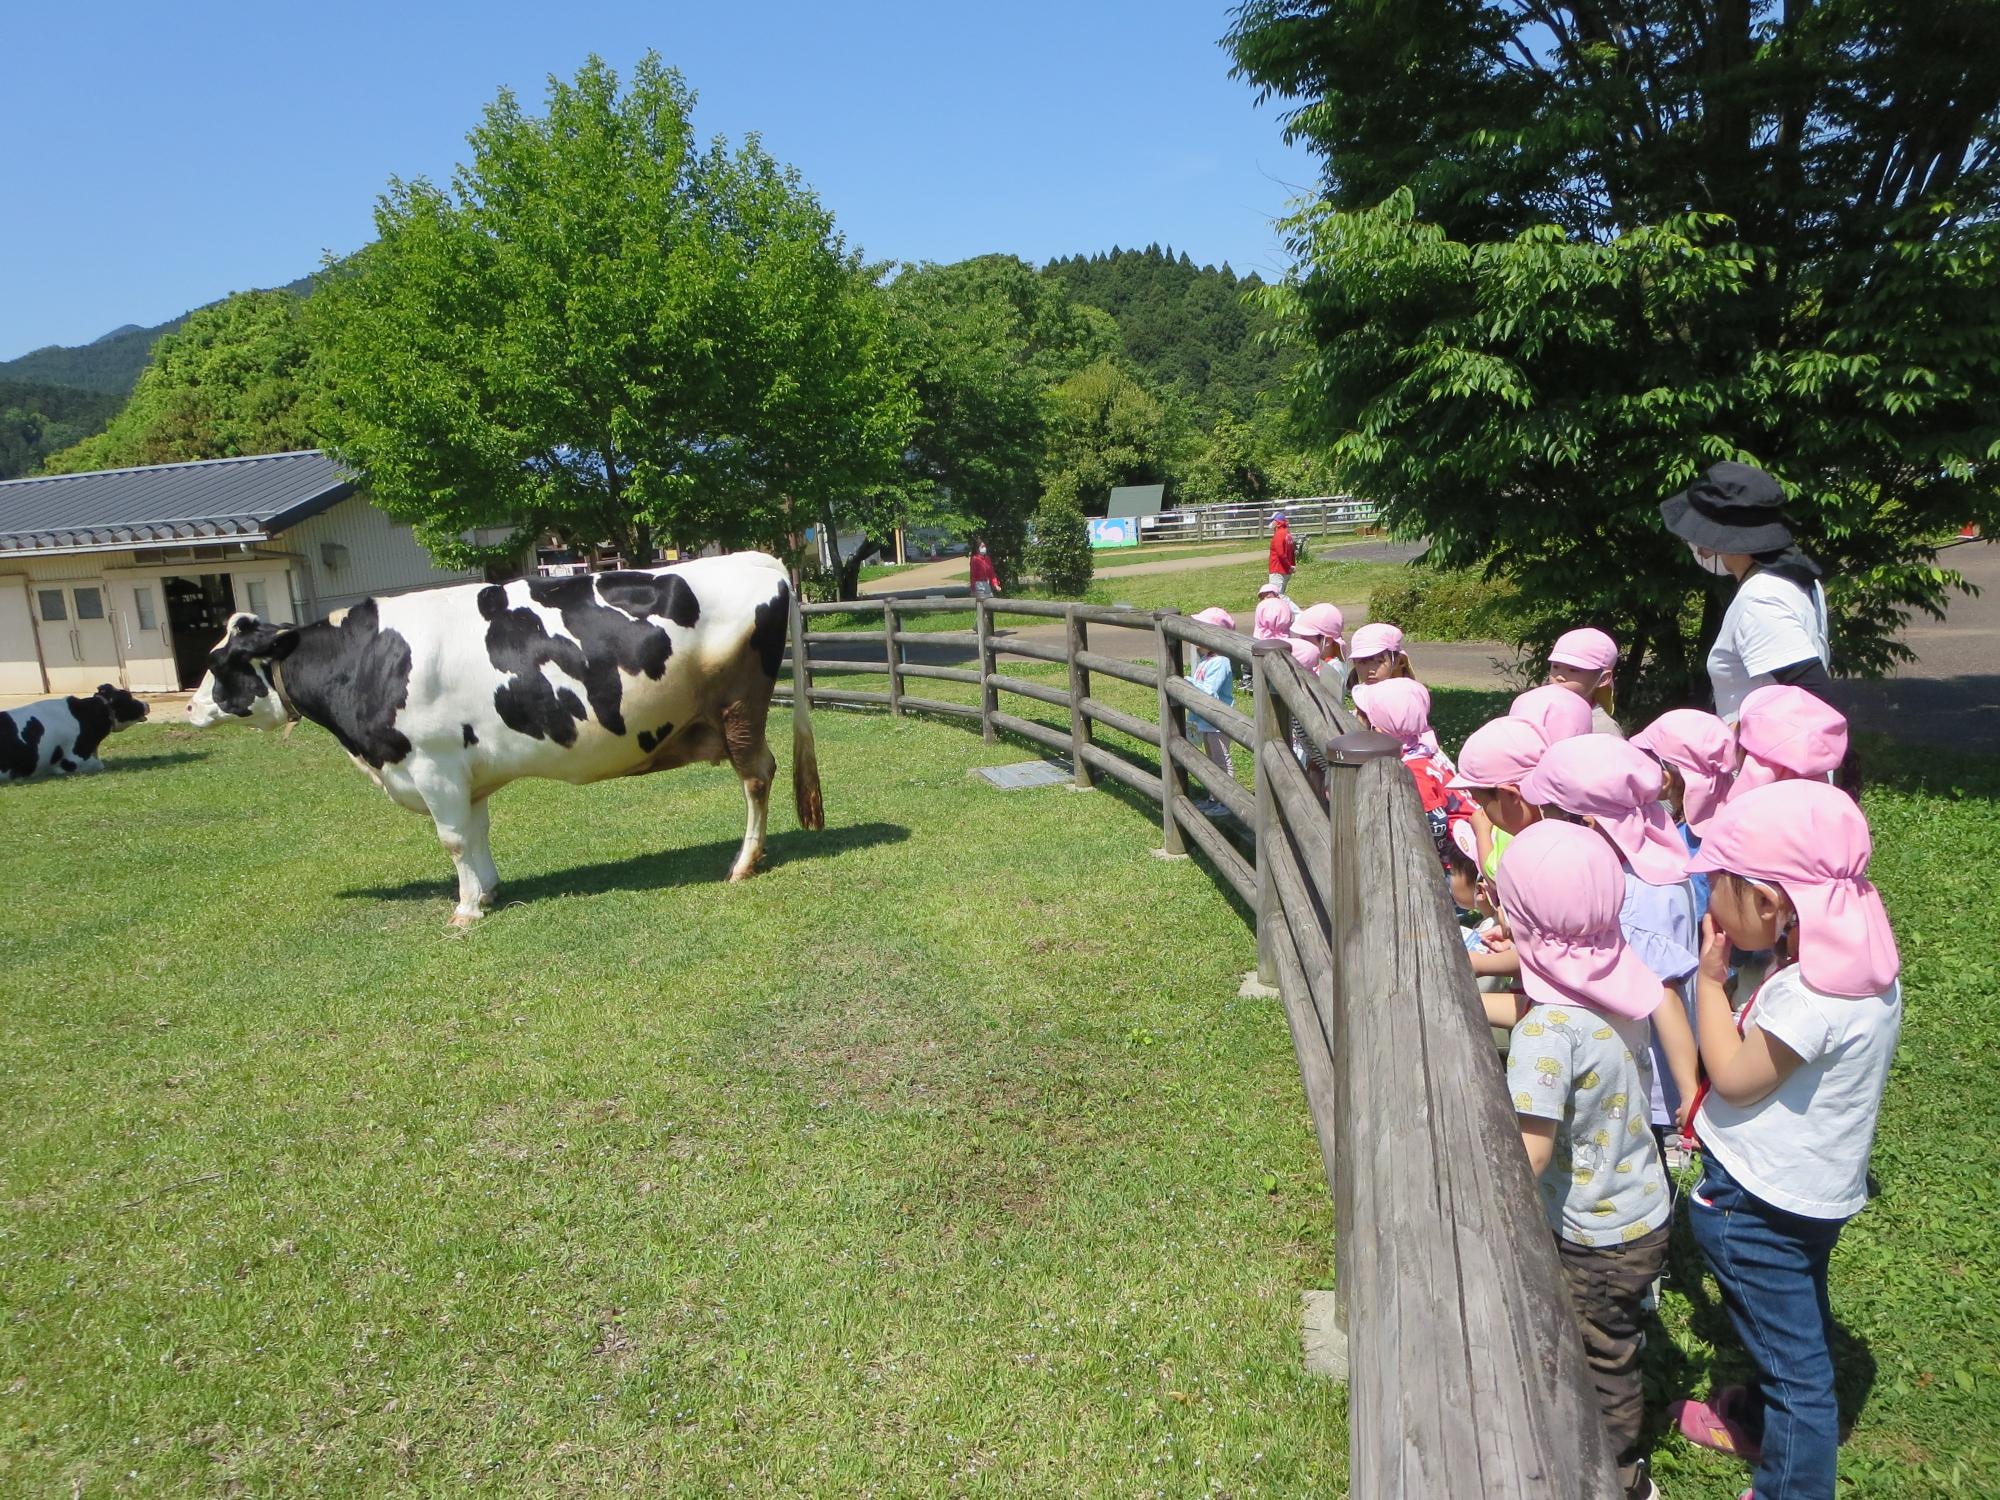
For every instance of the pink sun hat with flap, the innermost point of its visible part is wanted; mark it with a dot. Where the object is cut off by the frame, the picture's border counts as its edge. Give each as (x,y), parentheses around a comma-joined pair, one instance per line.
(1589,650)
(1809,839)
(1500,752)
(1373,640)
(1401,707)
(1323,621)
(1273,620)
(1561,888)
(1555,710)
(1215,615)
(1787,731)
(1602,777)
(1701,748)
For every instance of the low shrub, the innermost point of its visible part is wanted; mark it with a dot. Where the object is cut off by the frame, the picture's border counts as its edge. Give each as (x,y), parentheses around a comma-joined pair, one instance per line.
(1436,604)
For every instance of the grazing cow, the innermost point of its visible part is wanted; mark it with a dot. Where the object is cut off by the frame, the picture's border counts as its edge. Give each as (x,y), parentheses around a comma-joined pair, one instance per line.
(445,696)
(60,736)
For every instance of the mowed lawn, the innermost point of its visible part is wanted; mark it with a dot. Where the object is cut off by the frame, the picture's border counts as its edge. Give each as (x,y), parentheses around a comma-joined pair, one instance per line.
(940,1159)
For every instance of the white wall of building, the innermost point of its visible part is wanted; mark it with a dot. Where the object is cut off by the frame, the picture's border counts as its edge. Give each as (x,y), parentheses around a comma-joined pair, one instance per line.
(382,557)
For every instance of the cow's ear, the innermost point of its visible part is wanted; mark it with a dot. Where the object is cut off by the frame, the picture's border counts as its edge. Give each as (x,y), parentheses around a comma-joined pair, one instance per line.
(106,690)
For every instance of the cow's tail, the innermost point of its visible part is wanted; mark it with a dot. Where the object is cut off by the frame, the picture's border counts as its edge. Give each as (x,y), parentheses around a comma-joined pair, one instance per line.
(805,757)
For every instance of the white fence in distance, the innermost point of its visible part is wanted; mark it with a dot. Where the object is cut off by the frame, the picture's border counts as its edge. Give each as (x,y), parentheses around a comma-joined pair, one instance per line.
(1320,516)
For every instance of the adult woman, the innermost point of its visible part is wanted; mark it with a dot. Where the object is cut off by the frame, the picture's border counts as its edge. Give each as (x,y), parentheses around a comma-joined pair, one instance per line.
(985,580)
(1775,627)
(1284,552)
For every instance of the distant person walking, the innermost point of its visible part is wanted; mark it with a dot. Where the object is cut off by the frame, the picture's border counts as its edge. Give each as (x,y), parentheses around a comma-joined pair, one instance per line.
(1284,552)
(985,581)
(1775,627)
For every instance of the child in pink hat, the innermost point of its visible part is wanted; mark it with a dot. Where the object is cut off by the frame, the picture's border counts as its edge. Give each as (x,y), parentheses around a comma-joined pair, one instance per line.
(1556,711)
(1578,1065)
(1583,661)
(1794,1087)
(1697,756)
(1785,732)
(1401,707)
(1319,627)
(1615,788)
(1376,654)
(1273,619)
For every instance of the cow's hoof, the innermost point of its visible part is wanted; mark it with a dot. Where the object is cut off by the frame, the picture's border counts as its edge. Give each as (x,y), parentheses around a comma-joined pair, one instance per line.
(742,872)
(464,918)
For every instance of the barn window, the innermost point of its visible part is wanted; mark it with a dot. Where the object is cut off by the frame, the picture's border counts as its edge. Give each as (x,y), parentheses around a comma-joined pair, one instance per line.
(90,604)
(142,599)
(254,591)
(53,607)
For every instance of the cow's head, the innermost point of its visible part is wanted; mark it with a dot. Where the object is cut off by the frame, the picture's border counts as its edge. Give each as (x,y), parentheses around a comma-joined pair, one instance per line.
(238,682)
(125,709)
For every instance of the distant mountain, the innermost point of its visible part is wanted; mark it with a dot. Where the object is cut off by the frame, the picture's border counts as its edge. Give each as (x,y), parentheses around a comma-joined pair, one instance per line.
(109,363)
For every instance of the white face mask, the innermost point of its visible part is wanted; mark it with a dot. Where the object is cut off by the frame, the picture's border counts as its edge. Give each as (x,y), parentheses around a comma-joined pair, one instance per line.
(1707,561)
(982,551)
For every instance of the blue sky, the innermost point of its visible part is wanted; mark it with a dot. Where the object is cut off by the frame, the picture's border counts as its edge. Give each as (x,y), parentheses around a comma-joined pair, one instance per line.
(165,155)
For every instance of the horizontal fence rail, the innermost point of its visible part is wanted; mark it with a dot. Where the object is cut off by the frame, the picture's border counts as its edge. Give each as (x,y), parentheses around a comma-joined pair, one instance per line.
(1467,1374)
(1323,516)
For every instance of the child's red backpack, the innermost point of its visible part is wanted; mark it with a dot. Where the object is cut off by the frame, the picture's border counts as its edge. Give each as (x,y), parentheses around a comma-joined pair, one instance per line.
(1440,803)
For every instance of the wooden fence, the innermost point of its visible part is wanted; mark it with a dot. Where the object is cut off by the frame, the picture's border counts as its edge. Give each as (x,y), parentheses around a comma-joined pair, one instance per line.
(1467,1375)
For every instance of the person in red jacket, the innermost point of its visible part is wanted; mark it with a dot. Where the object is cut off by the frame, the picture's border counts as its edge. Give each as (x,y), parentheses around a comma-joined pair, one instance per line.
(985,581)
(1284,551)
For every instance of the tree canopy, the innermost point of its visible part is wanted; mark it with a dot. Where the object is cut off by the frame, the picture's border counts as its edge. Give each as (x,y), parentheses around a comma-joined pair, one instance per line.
(37,420)
(231,380)
(1566,256)
(606,331)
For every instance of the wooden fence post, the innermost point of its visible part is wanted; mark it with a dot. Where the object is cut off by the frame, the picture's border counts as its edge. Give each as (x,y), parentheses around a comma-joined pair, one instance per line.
(801,663)
(1269,717)
(989,695)
(891,655)
(1079,689)
(1168,657)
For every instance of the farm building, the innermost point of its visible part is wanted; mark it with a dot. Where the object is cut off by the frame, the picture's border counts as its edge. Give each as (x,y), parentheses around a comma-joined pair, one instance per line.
(128,575)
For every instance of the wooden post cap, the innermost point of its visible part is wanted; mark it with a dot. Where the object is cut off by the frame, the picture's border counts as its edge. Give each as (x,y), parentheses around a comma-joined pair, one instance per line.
(1361,745)
(1265,648)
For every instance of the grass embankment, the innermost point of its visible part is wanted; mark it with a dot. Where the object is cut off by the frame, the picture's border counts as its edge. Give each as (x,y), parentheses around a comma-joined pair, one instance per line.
(933,1161)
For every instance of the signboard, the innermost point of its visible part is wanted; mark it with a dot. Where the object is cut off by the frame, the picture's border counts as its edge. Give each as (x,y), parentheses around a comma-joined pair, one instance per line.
(1119,531)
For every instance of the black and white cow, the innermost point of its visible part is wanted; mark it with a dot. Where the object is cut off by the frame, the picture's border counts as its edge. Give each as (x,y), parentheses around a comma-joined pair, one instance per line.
(445,696)
(60,736)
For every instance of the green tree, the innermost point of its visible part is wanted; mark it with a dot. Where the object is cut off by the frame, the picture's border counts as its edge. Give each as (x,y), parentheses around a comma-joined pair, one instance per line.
(1062,557)
(1104,429)
(36,420)
(982,341)
(1227,464)
(234,379)
(604,331)
(1568,255)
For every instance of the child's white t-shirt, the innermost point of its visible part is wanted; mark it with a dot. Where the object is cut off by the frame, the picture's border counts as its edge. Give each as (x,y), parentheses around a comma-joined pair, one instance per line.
(1770,623)
(1804,1146)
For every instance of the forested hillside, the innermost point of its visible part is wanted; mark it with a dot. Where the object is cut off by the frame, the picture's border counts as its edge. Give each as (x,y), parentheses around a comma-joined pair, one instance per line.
(36,420)
(1185,327)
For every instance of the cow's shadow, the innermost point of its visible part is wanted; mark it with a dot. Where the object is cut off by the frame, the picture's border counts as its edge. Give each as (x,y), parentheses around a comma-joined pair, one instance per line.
(662,869)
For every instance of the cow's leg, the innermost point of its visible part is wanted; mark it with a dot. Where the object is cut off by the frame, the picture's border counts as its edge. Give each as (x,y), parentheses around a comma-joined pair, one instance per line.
(750,753)
(447,795)
(479,851)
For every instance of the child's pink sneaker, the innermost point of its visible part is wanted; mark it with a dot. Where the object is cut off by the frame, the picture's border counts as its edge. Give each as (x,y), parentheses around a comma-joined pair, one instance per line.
(1716,1425)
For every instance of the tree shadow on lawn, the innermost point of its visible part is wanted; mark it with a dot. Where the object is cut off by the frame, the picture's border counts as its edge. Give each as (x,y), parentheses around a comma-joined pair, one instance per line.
(155,761)
(663,869)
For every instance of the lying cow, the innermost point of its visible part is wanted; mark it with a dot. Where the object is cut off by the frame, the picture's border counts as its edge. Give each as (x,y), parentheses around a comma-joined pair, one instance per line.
(445,696)
(60,736)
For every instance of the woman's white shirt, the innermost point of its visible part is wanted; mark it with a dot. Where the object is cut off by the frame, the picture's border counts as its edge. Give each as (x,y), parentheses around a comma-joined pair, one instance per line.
(1771,623)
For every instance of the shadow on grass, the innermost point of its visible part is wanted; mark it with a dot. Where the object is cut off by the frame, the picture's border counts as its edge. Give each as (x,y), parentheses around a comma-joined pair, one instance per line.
(154,762)
(701,864)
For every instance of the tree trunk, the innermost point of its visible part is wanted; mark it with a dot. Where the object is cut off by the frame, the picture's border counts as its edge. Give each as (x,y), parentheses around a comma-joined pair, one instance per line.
(850,570)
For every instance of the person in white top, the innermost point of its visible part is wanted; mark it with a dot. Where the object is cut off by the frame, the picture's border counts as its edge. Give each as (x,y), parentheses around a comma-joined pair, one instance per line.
(1795,1082)
(1775,629)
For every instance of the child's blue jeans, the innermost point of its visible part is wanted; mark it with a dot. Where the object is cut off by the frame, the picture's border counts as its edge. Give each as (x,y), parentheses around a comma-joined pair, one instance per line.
(1771,1266)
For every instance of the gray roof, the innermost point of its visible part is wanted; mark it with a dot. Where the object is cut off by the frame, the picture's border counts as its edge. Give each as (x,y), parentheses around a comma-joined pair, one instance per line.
(217,499)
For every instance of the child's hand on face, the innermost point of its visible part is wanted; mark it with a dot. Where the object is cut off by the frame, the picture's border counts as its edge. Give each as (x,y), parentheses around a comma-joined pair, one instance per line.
(1715,952)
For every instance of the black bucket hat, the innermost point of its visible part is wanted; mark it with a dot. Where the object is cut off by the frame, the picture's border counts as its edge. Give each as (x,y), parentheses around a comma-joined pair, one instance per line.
(1731,508)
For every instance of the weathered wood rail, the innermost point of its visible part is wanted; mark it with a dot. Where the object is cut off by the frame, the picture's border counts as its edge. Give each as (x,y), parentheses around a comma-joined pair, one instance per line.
(1467,1375)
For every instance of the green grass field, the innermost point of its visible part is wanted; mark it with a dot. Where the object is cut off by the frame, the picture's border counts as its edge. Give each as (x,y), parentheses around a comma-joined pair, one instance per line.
(908,1167)
(940,1159)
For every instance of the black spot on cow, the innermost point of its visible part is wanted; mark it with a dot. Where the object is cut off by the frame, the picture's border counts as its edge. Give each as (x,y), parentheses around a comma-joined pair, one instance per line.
(354,678)
(768,635)
(608,618)
(651,739)
(61,762)
(471,739)
(20,746)
(93,724)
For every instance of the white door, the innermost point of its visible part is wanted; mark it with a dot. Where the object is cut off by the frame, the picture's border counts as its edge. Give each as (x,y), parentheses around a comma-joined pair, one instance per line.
(78,646)
(266,592)
(20,662)
(138,609)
